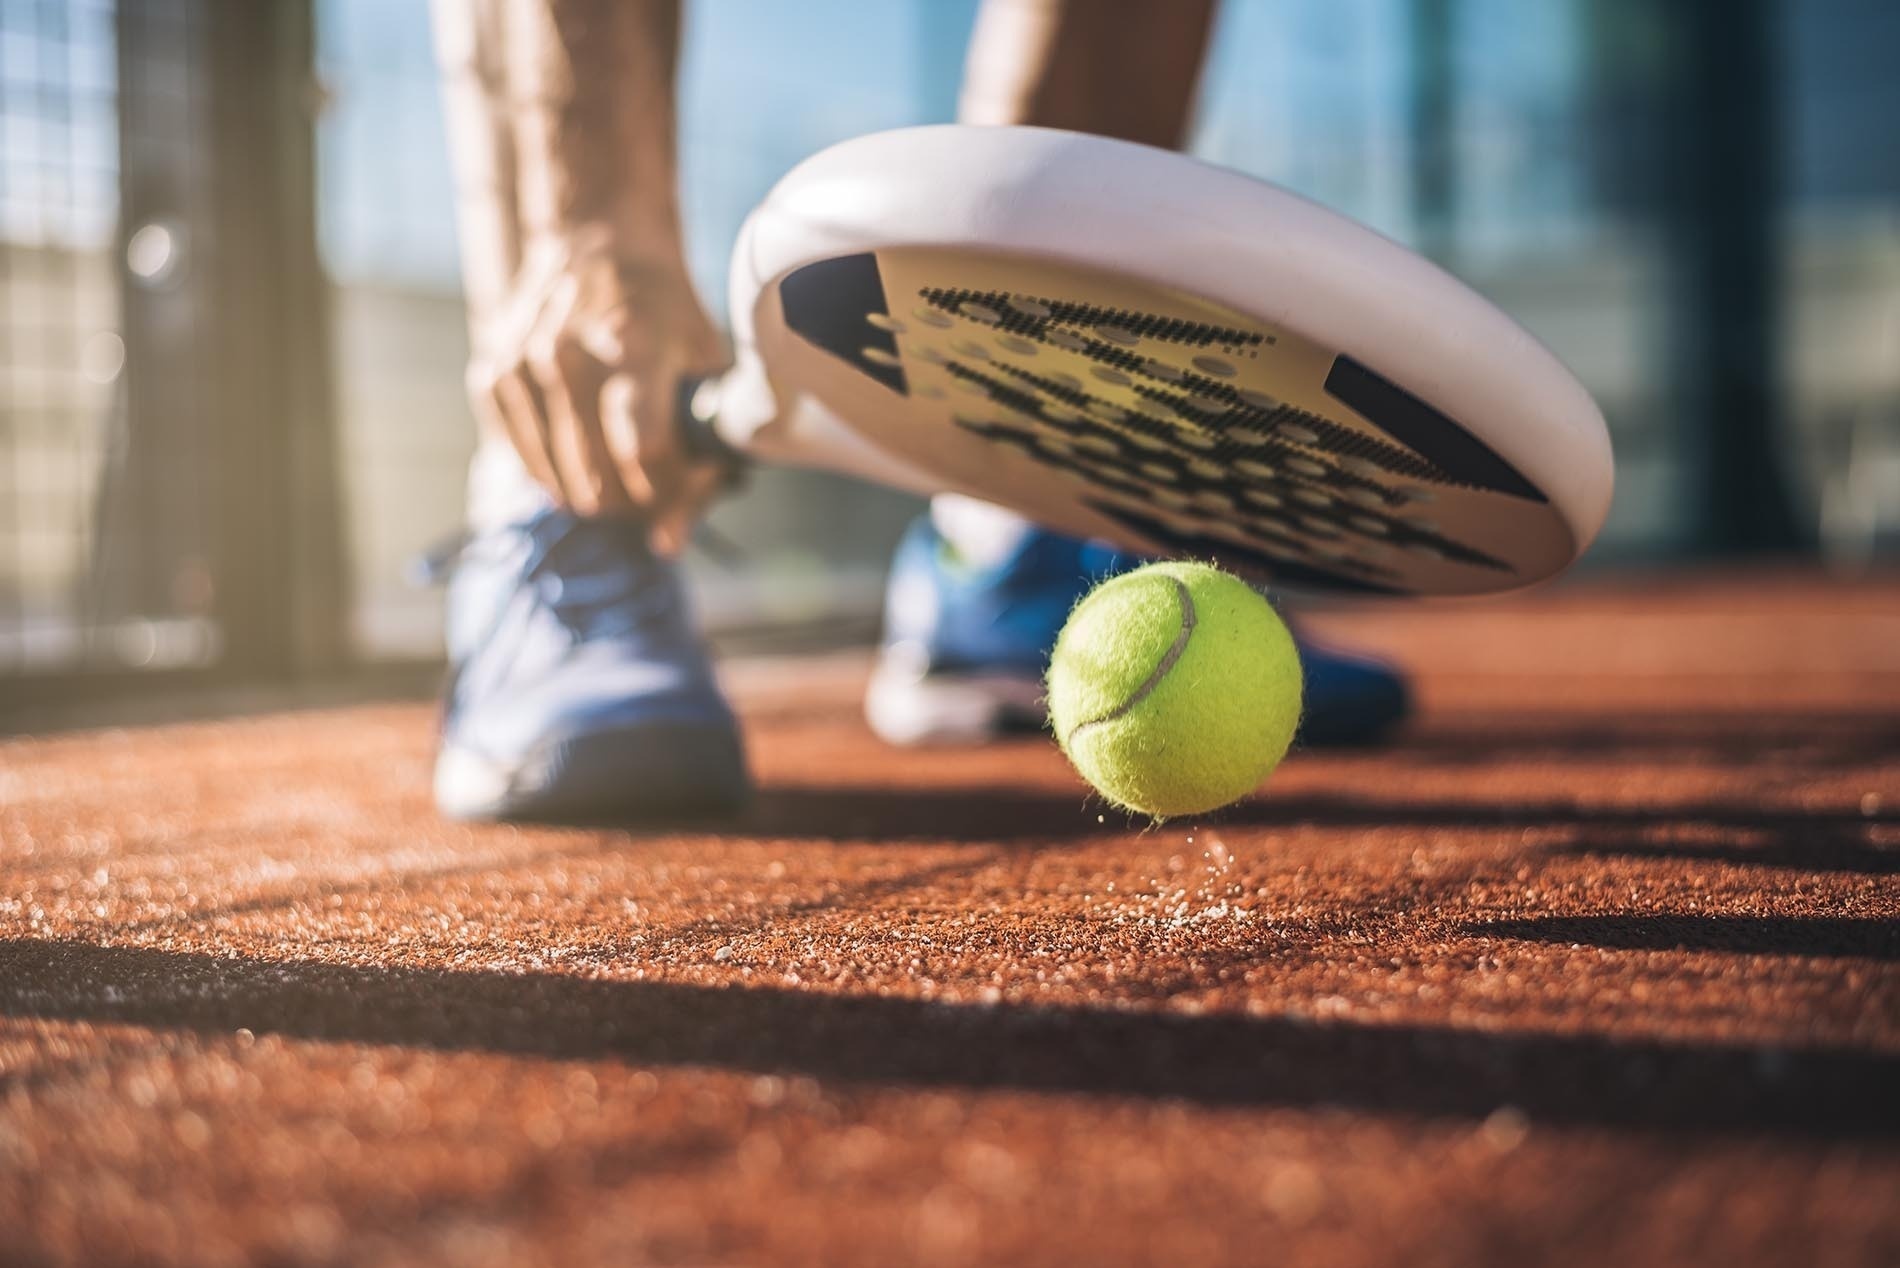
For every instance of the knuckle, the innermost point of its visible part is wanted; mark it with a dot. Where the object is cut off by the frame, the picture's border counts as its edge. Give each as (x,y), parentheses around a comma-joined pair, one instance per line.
(542,356)
(570,353)
(481,381)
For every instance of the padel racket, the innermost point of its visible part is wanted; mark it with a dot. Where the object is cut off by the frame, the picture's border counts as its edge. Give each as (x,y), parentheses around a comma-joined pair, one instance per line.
(1124,343)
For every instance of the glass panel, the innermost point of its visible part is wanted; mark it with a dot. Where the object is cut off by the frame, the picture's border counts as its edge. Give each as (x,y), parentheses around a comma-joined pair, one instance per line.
(385,217)
(84,581)
(1841,277)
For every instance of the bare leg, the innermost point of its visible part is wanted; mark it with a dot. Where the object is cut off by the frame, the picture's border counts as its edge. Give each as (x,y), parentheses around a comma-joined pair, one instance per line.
(1120,68)
(581,315)
(469,44)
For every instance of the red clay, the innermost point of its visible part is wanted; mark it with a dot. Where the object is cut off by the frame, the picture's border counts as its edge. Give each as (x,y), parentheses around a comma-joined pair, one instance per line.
(1597,965)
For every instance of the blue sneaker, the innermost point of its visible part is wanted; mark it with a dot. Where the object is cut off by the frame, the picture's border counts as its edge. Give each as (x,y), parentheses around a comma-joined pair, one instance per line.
(965,649)
(1351,700)
(579,689)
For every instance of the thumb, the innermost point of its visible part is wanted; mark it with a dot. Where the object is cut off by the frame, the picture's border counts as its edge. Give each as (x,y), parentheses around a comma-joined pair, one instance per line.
(698,487)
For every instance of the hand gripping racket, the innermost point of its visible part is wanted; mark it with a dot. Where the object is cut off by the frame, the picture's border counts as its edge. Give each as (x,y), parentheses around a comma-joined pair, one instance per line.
(1124,343)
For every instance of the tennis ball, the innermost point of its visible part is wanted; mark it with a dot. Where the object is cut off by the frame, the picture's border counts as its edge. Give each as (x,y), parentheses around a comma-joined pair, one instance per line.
(1175,689)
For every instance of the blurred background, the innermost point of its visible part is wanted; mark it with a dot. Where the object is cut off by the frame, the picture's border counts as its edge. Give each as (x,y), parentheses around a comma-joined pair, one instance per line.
(231,412)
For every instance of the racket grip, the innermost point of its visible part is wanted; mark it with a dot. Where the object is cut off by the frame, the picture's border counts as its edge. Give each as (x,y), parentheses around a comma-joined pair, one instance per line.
(697,412)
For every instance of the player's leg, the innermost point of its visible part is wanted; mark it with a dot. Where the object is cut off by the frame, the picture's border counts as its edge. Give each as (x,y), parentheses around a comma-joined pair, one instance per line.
(977,594)
(1120,68)
(579,686)
(469,42)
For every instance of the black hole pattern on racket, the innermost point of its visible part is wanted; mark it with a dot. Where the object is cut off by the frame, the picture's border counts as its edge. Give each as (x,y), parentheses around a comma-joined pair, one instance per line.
(1283,545)
(1263,562)
(1168,480)
(1216,425)
(1333,438)
(1433,447)
(1210,474)
(1175,330)
(1121,468)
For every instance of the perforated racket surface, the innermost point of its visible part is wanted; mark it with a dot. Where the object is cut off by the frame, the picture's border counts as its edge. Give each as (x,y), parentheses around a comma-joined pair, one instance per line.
(1079,329)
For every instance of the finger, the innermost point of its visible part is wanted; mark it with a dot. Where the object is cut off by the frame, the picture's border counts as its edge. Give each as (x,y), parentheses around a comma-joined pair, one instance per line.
(583,474)
(656,441)
(617,397)
(575,405)
(643,432)
(580,482)
(515,404)
(700,485)
(605,339)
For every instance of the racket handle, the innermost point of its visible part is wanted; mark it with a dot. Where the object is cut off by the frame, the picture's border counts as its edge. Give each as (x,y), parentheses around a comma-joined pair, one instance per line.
(697,408)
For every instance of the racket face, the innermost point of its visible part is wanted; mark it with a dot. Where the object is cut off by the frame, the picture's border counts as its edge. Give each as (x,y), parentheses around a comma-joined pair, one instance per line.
(1106,405)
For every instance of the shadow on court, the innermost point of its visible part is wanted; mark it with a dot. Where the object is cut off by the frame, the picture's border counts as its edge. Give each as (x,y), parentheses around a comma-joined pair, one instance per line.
(1207,1060)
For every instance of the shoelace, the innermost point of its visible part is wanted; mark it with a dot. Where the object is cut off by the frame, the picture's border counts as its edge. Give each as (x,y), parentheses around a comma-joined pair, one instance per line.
(615,590)
(437,563)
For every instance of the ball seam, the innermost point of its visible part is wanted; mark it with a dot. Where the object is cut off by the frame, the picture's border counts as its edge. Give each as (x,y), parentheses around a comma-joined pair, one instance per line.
(1167,662)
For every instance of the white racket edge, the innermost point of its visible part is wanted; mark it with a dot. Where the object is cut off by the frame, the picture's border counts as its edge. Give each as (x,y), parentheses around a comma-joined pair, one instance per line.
(1169,220)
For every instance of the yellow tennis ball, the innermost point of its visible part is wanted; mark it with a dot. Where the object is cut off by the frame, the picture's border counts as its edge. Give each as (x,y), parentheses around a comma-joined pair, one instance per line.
(1175,689)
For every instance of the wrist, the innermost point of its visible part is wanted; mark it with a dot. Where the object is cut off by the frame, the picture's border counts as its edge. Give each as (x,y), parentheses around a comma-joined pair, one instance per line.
(637,211)
(643,256)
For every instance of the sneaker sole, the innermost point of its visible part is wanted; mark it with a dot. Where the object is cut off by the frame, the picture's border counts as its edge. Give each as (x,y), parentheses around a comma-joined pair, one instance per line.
(907,710)
(644,773)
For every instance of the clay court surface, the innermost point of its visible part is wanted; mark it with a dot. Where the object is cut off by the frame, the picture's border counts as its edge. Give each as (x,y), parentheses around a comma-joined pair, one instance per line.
(1597,965)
